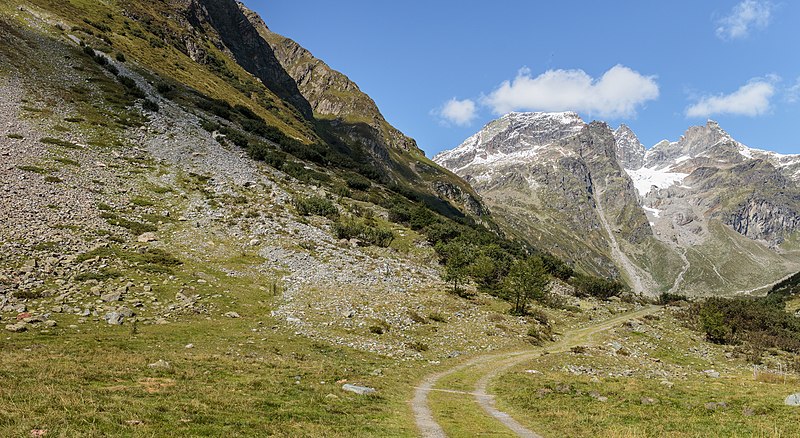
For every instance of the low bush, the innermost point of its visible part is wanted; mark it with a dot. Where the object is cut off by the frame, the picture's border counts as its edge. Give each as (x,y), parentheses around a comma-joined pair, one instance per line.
(602,288)
(315,205)
(366,233)
(149,105)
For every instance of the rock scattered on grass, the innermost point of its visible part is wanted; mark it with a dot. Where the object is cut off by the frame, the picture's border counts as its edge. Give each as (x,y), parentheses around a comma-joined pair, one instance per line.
(160,364)
(360,390)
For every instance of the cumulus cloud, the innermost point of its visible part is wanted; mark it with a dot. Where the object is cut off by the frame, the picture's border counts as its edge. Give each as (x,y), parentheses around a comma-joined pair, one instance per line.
(745,16)
(751,99)
(458,112)
(617,93)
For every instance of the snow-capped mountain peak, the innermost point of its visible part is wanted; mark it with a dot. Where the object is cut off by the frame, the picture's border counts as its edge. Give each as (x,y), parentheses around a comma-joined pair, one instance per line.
(515,136)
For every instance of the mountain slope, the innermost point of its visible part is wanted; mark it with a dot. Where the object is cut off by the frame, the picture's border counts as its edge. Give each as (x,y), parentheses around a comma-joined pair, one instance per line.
(345,110)
(678,217)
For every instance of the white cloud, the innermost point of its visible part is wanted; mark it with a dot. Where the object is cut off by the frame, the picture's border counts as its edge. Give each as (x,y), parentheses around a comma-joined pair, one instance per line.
(793,92)
(618,93)
(747,15)
(751,99)
(458,112)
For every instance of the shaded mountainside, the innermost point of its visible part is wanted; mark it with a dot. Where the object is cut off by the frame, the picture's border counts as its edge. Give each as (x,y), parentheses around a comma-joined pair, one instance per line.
(353,116)
(702,215)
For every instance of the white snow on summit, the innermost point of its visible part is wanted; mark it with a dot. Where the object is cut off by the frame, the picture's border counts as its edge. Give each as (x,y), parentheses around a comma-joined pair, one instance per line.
(511,138)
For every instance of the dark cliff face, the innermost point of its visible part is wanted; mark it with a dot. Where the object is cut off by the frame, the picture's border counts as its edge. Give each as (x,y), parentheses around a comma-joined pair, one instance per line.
(599,151)
(249,50)
(763,219)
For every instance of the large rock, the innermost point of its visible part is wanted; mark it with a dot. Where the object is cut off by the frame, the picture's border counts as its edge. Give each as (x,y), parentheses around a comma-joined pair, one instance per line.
(147,237)
(360,390)
(792,400)
(17,328)
(111,296)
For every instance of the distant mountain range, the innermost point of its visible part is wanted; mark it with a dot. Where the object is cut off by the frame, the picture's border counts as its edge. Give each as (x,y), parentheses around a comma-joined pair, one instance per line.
(702,215)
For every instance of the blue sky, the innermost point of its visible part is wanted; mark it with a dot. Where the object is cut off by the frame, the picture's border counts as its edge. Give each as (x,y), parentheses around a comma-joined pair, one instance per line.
(439,70)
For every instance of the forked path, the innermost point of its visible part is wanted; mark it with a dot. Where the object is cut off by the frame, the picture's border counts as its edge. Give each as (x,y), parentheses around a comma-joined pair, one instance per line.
(485,368)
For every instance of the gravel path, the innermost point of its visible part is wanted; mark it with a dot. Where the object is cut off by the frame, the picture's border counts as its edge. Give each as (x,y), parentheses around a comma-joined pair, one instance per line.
(487,367)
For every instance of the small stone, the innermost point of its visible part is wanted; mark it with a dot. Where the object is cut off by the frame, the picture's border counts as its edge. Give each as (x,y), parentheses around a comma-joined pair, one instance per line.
(17,328)
(147,237)
(113,318)
(160,364)
(748,411)
(50,323)
(189,346)
(111,296)
(711,374)
(360,390)
(232,315)
(648,401)
(376,372)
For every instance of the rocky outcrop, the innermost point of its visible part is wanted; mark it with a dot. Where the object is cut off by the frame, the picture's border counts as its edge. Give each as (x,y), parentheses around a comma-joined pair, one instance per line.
(629,150)
(761,219)
(249,50)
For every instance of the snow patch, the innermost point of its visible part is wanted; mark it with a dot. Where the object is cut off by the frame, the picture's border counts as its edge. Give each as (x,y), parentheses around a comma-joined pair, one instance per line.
(645,179)
(656,212)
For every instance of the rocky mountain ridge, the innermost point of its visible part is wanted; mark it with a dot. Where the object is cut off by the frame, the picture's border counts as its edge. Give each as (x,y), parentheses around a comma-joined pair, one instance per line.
(659,218)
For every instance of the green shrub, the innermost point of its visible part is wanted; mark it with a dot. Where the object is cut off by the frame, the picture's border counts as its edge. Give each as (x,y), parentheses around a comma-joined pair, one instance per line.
(34,169)
(358,182)
(101,275)
(134,227)
(58,142)
(150,105)
(602,288)
(417,346)
(438,317)
(15,136)
(315,205)
(350,228)
(120,57)
(759,323)
(669,298)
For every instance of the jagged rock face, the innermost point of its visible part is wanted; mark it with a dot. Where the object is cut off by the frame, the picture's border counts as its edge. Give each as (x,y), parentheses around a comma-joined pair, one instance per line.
(708,173)
(513,137)
(761,219)
(630,150)
(251,52)
(547,172)
(354,117)
(651,216)
(330,93)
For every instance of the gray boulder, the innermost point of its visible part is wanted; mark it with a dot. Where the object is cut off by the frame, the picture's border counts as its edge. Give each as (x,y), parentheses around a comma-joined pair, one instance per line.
(360,390)
(792,400)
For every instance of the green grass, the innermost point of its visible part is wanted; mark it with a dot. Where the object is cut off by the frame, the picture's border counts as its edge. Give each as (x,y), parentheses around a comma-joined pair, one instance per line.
(134,227)
(233,382)
(541,402)
(33,169)
(59,142)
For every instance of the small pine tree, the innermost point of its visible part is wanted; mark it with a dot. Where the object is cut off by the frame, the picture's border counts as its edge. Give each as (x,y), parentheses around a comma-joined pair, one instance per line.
(526,281)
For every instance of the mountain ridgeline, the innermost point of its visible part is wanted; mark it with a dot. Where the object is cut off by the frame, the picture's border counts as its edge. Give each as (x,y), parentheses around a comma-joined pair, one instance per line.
(702,215)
